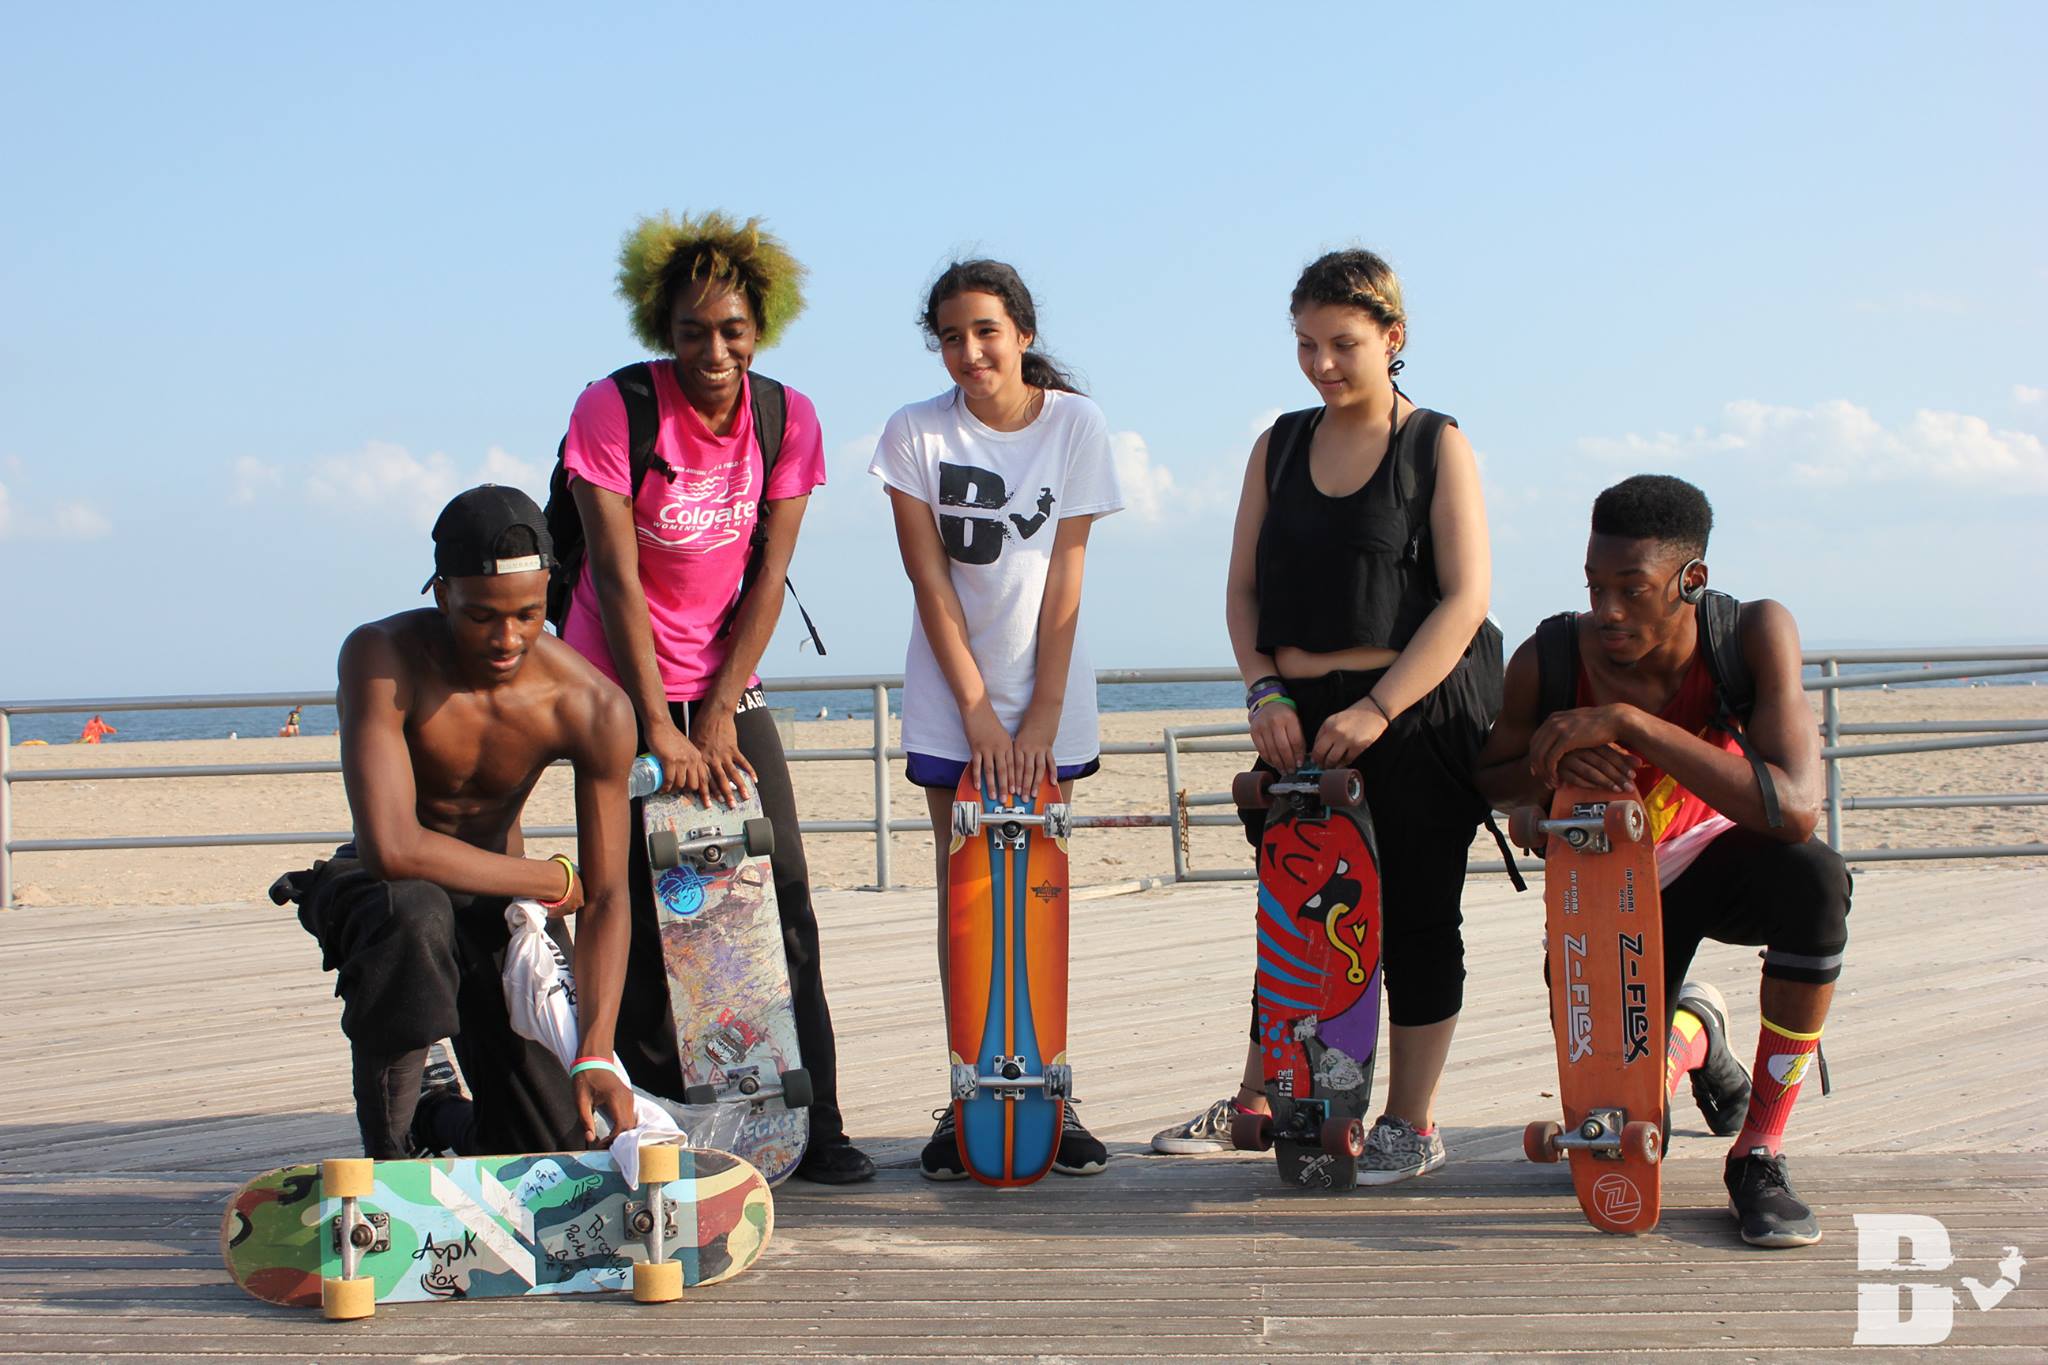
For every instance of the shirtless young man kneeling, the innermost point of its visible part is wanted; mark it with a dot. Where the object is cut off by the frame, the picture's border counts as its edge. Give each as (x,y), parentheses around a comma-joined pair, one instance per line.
(449,716)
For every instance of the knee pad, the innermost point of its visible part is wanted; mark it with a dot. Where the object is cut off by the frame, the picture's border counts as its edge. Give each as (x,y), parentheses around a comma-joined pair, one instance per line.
(1813,921)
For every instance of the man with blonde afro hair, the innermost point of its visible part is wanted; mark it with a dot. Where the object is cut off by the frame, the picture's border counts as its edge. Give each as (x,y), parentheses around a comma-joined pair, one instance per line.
(683,581)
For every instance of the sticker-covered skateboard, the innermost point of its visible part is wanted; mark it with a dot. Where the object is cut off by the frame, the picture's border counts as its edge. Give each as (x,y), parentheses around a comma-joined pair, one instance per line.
(345,1236)
(728,975)
(1604,956)
(1318,983)
(1006,998)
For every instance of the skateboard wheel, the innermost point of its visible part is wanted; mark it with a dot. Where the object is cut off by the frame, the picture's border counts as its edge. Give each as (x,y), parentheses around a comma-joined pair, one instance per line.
(1251,1132)
(796,1088)
(1341,787)
(1343,1137)
(1059,821)
(1059,1081)
(657,1281)
(1522,827)
(1625,822)
(349,1177)
(1641,1141)
(660,1163)
(1248,790)
(967,818)
(700,1094)
(1539,1140)
(757,836)
(346,1300)
(663,851)
(965,1083)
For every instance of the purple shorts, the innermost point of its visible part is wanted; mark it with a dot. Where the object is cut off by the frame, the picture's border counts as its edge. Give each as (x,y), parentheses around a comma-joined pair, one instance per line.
(943,774)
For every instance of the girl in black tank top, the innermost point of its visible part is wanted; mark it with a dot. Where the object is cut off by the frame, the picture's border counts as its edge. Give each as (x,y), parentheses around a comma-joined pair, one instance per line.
(1397,564)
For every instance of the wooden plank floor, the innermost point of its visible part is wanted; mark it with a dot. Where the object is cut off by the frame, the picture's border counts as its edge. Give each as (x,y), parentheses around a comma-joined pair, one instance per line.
(154,1058)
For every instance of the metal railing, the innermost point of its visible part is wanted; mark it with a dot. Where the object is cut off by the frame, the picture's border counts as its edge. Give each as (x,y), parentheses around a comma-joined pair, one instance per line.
(1182,806)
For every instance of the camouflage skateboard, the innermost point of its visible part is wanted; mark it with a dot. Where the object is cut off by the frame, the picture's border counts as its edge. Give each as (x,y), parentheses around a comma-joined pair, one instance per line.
(345,1236)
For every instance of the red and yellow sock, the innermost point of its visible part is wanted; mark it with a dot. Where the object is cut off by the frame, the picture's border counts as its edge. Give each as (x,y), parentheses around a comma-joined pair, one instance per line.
(1782,1060)
(1685,1050)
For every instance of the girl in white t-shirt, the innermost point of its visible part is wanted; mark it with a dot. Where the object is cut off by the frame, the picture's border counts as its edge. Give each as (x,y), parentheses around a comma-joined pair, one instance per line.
(994,485)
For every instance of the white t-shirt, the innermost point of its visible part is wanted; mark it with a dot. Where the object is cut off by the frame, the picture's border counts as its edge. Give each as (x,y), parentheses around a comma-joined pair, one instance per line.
(997,497)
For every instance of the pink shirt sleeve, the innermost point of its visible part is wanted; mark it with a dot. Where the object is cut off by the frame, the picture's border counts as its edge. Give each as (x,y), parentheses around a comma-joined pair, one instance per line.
(801,465)
(598,447)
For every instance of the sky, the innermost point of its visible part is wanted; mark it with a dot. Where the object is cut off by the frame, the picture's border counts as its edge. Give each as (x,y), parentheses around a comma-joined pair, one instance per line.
(274,284)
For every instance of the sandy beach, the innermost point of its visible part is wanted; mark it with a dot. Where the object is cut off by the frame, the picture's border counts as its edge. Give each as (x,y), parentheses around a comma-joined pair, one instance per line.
(1130,784)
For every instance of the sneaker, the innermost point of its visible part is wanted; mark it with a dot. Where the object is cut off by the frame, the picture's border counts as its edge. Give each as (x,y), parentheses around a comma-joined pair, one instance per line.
(1395,1151)
(1762,1201)
(1720,1084)
(440,1083)
(1208,1131)
(1080,1153)
(835,1162)
(941,1157)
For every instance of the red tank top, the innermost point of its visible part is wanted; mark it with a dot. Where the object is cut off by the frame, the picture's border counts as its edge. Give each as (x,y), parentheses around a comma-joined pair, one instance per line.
(1672,809)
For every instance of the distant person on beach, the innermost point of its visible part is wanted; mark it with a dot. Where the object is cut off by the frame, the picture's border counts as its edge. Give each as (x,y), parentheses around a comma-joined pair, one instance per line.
(994,485)
(449,716)
(1356,602)
(96,730)
(290,728)
(684,576)
(1626,698)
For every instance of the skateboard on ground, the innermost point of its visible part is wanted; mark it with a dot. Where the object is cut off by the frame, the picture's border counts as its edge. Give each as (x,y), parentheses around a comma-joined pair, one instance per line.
(345,1236)
(1006,1000)
(1318,985)
(728,973)
(1604,957)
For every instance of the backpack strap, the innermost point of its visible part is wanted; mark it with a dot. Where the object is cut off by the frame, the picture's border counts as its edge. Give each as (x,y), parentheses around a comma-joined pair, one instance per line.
(1557,664)
(1290,431)
(1719,618)
(769,401)
(635,384)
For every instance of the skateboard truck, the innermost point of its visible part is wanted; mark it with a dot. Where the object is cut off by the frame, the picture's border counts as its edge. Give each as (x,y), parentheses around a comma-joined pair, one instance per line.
(968,817)
(793,1087)
(1604,1133)
(1009,1080)
(1592,827)
(656,1279)
(351,1180)
(666,848)
(1259,788)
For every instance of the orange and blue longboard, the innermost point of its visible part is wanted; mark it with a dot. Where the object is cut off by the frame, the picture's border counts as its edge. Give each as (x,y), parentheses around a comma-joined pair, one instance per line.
(1006,999)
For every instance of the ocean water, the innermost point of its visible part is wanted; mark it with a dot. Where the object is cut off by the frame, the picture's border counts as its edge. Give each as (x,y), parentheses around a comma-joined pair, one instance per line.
(836,705)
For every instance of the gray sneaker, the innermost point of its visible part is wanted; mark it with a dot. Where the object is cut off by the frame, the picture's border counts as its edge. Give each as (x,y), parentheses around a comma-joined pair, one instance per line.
(1208,1131)
(1395,1151)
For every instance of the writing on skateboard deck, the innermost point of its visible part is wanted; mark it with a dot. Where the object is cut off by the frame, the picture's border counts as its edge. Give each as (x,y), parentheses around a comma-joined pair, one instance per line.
(1006,1006)
(728,972)
(1604,957)
(1318,984)
(345,1236)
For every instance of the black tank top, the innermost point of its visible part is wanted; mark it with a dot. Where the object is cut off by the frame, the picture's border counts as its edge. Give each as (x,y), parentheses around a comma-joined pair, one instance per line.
(1340,573)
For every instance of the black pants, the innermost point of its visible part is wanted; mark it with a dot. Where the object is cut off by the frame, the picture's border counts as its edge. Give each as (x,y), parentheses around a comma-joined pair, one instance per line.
(1792,900)
(416,964)
(644,1014)
(1425,810)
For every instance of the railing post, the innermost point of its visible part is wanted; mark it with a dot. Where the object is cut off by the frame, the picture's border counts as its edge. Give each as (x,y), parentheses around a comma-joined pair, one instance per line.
(1169,740)
(1831,729)
(881,787)
(6,812)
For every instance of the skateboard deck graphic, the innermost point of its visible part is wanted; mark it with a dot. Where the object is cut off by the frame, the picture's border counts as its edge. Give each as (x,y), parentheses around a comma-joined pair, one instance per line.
(728,975)
(1318,983)
(1604,946)
(491,1227)
(1006,1005)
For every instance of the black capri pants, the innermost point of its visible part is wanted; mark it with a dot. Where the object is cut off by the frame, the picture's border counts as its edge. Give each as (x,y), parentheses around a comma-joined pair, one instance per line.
(1425,811)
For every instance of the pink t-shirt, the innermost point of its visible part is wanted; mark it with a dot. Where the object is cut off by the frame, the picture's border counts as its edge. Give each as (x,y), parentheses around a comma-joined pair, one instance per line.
(695,528)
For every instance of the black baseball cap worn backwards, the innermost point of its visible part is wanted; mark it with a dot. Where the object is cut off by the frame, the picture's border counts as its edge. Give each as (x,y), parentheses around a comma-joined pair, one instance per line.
(490,529)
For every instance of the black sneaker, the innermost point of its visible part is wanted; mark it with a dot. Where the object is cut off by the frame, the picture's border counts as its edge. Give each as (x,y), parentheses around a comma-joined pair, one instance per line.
(1080,1153)
(1762,1201)
(835,1162)
(1720,1084)
(440,1085)
(941,1158)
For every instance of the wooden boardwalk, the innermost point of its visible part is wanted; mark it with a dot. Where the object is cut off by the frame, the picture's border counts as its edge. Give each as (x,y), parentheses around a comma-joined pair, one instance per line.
(154,1058)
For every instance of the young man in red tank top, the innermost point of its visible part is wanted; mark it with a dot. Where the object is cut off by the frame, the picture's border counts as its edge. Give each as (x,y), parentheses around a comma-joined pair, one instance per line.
(1646,721)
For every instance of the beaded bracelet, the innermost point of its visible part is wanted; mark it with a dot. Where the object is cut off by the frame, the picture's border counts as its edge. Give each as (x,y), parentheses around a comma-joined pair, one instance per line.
(570,868)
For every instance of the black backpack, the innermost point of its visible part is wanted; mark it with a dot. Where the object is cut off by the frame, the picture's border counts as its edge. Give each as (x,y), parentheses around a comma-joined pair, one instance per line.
(635,384)
(1719,617)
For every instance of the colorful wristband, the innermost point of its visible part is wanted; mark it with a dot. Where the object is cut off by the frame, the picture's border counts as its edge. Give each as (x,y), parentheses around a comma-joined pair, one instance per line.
(570,868)
(597,1064)
(1271,698)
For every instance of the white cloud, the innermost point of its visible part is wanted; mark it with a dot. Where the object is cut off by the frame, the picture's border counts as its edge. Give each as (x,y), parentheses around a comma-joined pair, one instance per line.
(65,521)
(2026,395)
(1837,441)
(383,475)
(1146,486)
(1261,420)
(254,478)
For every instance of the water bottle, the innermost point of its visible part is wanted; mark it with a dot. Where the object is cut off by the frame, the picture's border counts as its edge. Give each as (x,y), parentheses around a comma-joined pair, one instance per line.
(645,777)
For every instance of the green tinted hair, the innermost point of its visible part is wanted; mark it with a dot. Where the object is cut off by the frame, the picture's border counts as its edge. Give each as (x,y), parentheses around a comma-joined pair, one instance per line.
(663,255)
